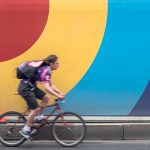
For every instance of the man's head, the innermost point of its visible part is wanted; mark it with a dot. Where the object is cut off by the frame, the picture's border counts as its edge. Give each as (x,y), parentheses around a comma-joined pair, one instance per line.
(52,61)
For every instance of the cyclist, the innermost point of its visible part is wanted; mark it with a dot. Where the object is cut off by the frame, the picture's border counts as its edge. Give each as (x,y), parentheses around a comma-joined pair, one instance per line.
(31,94)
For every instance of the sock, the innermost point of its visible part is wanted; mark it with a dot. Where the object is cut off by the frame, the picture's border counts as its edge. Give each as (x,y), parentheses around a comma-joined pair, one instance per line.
(39,117)
(27,128)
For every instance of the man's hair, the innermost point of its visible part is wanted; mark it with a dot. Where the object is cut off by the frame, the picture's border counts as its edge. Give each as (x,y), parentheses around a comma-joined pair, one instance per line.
(50,59)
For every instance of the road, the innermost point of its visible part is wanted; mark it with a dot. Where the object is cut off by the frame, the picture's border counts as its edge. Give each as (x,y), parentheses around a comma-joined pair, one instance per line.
(99,145)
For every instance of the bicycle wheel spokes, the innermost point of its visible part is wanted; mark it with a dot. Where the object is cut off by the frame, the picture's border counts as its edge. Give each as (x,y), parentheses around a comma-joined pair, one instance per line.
(10,125)
(69,130)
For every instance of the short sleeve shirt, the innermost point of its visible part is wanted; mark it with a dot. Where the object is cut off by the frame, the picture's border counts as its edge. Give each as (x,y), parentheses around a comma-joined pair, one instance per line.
(44,74)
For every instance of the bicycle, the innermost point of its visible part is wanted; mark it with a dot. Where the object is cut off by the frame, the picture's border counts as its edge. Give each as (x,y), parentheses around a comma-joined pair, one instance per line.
(68,128)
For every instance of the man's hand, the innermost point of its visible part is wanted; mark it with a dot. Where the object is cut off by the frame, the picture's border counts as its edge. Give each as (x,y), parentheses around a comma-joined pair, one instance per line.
(63,94)
(61,97)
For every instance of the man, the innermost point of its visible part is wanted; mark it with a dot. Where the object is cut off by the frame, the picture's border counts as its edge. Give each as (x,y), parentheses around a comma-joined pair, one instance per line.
(32,93)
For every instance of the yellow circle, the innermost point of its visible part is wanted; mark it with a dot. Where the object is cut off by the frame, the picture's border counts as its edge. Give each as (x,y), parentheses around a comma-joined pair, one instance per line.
(73,32)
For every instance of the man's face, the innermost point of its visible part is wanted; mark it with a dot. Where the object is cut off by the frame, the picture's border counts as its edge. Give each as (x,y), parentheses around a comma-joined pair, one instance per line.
(55,65)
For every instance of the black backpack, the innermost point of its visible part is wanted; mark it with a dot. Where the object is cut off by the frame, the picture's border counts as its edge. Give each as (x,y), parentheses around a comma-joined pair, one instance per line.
(27,71)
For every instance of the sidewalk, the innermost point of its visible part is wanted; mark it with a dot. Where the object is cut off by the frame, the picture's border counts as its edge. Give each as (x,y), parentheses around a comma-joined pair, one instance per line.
(110,128)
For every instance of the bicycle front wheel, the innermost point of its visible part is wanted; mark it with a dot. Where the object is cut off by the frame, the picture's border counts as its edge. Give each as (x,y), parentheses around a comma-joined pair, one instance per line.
(10,125)
(69,129)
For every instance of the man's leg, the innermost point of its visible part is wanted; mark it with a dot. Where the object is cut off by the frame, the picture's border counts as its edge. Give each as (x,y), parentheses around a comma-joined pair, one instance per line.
(34,108)
(44,103)
(31,117)
(40,94)
(26,130)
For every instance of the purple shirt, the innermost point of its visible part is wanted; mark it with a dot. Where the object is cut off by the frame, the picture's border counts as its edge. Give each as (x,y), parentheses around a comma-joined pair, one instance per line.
(44,74)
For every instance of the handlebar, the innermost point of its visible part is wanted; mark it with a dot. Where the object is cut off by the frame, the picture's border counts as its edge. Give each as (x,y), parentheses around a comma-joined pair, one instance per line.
(59,100)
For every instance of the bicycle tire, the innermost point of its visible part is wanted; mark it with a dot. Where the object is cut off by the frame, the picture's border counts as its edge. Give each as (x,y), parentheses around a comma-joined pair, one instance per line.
(63,129)
(10,124)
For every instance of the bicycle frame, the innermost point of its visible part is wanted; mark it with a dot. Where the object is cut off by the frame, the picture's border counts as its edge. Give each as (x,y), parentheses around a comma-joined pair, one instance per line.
(42,123)
(56,109)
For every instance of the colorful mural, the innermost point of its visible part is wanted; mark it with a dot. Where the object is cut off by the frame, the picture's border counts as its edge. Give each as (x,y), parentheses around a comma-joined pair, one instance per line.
(73,30)
(103,47)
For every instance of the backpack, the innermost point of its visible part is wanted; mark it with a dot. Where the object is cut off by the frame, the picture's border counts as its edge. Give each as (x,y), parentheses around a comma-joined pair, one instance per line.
(28,70)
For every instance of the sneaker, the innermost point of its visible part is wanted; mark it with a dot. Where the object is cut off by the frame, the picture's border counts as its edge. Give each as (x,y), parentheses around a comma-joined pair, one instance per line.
(39,118)
(25,134)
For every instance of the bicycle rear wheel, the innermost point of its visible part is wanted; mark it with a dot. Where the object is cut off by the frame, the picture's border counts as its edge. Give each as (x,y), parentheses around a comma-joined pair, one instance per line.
(69,129)
(10,125)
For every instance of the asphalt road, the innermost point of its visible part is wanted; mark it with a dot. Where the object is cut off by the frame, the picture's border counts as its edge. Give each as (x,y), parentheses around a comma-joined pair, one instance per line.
(99,145)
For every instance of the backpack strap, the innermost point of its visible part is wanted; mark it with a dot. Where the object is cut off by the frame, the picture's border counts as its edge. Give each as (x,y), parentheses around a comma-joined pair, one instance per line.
(35,63)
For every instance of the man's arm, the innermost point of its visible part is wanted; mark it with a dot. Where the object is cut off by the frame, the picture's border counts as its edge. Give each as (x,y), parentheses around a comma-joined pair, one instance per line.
(49,88)
(56,90)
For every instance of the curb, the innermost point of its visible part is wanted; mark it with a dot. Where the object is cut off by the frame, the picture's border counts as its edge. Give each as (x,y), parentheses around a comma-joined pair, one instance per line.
(107,131)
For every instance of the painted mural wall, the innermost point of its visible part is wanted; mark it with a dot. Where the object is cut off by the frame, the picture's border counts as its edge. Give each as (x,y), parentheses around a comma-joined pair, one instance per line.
(102,45)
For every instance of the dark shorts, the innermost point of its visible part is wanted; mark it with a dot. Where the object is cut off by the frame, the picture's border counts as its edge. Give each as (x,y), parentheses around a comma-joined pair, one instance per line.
(31,96)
